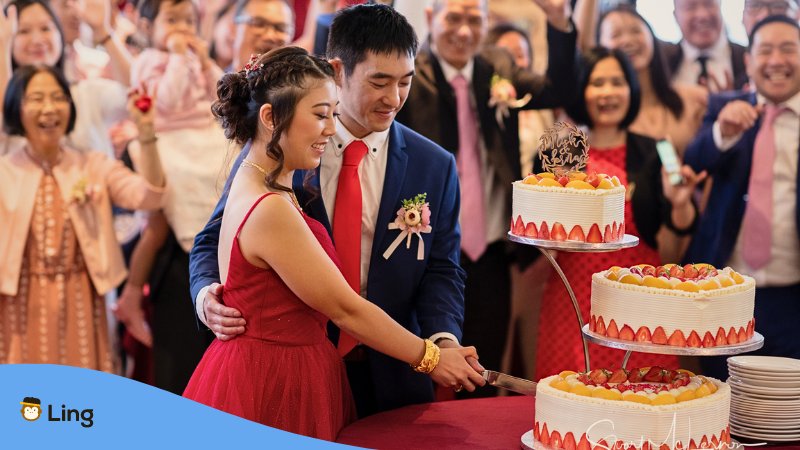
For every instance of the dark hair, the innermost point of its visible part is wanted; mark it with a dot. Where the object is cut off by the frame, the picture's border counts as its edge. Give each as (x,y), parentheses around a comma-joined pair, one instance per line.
(658,68)
(497,31)
(280,78)
(360,29)
(768,20)
(21,5)
(149,9)
(15,93)
(577,110)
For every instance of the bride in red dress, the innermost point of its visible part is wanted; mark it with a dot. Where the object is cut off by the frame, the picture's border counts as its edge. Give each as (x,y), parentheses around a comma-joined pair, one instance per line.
(660,214)
(281,270)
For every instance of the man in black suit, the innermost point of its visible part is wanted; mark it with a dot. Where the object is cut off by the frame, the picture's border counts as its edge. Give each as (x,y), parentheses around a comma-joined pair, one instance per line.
(704,55)
(449,103)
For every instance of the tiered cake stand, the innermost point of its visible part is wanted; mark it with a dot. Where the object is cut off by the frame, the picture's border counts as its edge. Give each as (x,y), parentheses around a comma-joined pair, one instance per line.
(756,342)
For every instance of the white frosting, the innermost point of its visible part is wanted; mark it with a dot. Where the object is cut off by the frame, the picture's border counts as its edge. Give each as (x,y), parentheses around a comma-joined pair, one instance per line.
(615,420)
(673,309)
(568,206)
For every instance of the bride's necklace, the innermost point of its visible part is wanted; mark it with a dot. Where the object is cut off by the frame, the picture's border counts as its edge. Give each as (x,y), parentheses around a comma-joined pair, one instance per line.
(248,163)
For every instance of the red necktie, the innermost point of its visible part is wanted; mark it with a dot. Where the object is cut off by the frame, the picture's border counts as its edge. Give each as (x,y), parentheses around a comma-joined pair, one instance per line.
(757,223)
(347,226)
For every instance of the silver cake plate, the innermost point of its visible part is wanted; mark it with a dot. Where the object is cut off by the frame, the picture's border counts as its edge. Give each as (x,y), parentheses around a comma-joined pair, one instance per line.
(527,442)
(627,241)
(754,343)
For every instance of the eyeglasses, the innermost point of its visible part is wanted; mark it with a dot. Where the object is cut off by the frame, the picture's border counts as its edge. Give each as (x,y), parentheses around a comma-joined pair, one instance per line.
(773,7)
(455,20)
(262,24)
(38,100)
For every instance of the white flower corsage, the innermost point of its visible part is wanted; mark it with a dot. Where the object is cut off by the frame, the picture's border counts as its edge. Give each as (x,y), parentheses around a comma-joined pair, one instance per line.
(503,97)
(413,218)
(83,192)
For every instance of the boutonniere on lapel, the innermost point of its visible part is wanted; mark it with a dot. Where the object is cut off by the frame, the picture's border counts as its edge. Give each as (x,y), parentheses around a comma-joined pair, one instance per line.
(503,97)
(83,192)
(414,218)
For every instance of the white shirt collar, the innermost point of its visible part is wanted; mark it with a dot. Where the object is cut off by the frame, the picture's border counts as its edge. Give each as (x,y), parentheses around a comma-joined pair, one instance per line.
(451,72)
(375,141)
(793,103)
(691,53)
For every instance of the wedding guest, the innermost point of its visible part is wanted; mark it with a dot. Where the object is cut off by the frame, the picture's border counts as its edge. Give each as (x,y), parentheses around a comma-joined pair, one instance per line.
(452,103)
(757,10)
(661,214)
(368,168)
(281,270)
(673,112)
(31,35)
(261,25)
(59,247)
(704,55)
(749,144)
(183,79)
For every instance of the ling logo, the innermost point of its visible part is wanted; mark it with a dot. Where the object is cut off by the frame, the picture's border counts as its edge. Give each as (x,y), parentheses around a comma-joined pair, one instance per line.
(31,408)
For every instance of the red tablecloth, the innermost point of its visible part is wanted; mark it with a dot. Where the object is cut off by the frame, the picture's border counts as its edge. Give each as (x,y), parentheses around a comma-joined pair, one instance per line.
(491,423)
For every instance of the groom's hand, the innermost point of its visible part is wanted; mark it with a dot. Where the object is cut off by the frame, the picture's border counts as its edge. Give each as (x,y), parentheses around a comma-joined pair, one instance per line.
(449,343)
(225,322)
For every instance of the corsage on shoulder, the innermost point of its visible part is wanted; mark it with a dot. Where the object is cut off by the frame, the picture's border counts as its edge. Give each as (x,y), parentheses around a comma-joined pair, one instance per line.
(412,219)
(503,97)
(83,192)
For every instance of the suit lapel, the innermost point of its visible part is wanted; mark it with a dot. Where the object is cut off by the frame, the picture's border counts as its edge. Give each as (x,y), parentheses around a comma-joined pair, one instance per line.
(312,202)
(481,83)
(392,186)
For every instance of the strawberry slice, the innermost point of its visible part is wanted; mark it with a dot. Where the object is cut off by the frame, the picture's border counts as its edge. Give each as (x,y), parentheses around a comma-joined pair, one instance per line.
(653,375)
(621,230)
(611,330)
(742,334)
(677,339)
(576,234)
(511,227)
(592,323)
(667,376)
(598,376)
(555,440)
(694,340)
(569,442)
(544,232)
(584,444)
(643,335)
(751,328)
(708,340)
(594,236)
(690,272)
(721,338)
(601,326)
(519,227)
(544,436)
(661,271)
(614,231)
(607,234)
(733,338)
(531,231)
(618,376)
(676,271)
(659,336)
(558,233)
(626,333)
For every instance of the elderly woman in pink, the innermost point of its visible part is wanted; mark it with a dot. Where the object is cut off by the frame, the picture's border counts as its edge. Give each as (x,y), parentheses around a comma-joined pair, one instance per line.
(60,254)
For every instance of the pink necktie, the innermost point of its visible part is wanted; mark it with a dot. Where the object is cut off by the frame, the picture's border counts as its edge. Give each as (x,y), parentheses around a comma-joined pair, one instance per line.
(473,216)
(757,222)
(347,226)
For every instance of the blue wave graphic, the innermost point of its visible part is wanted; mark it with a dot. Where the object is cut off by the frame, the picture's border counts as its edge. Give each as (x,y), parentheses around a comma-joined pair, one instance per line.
(83,408)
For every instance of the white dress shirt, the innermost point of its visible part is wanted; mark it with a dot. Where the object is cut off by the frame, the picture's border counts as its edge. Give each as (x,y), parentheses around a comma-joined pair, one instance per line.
(718,64)
(494,197)
(784,266)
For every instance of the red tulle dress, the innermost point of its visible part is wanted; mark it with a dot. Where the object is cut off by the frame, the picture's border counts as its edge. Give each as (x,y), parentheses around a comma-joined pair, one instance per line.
(559,345)
(283,371)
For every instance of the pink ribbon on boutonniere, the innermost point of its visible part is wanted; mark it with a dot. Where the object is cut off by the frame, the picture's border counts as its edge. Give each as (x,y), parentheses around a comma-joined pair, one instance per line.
(414,218)
(503,97)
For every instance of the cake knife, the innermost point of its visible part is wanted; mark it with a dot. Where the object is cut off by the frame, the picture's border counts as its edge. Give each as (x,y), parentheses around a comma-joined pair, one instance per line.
(518,385)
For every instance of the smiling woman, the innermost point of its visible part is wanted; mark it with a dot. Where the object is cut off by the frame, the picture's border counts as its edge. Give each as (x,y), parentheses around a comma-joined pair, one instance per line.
(60,249)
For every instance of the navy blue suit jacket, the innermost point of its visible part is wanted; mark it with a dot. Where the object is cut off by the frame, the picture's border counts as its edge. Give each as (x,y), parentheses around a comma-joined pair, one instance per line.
(720,223)
(425,297)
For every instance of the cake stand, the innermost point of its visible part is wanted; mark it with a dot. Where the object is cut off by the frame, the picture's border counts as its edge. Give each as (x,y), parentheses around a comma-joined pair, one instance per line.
(573,246)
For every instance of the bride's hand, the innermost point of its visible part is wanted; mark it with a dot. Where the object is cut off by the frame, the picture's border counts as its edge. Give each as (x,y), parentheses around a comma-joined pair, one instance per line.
(455,371)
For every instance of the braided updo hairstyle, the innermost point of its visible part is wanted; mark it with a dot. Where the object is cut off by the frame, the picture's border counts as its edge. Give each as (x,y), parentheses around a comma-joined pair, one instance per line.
(280,78)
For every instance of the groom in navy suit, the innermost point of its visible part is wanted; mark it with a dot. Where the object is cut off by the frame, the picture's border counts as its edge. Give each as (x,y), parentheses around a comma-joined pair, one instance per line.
(749,144)
(372,49)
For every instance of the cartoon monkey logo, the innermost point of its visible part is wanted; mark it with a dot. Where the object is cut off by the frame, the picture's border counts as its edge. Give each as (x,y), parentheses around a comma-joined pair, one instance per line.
(31,408)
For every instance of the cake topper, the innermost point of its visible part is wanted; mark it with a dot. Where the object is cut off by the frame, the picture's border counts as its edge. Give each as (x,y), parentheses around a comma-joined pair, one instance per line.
(563,148)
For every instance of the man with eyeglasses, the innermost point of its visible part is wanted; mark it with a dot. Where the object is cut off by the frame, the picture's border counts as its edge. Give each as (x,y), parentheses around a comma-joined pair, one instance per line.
(757,10)
(261,25)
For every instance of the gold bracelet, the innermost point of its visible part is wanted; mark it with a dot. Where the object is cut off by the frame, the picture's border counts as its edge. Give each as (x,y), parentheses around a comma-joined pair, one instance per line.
(430,360)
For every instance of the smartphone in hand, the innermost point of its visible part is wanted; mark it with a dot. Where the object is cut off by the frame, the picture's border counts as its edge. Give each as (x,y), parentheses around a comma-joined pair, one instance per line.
(670,162)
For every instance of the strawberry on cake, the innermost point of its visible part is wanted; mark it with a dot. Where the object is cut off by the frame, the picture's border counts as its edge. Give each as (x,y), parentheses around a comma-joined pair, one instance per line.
(695,305)
(646,408)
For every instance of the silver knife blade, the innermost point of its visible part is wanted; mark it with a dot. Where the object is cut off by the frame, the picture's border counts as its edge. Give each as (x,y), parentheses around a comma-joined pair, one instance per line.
(518,385)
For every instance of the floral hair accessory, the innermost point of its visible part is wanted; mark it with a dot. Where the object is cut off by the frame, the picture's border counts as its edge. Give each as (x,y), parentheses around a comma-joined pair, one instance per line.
(251,66)
(503,97)
(412,219)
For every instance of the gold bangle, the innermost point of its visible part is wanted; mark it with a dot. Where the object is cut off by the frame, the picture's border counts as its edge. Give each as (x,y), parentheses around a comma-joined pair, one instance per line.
(430,360)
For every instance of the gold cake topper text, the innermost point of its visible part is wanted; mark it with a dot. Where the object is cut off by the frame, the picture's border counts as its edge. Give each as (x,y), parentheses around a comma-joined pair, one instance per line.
(563,148)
